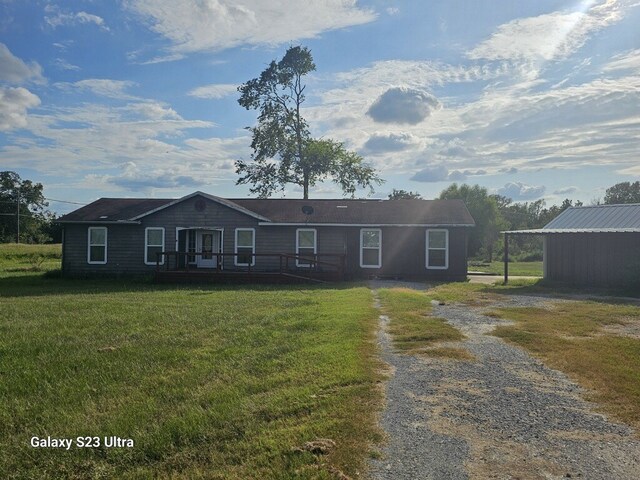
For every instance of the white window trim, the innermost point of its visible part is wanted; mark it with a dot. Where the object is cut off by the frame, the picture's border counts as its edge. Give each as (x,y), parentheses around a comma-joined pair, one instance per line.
(362,230)
(253,247)
(315,245)
(146,246)
(446,249)
(89,245)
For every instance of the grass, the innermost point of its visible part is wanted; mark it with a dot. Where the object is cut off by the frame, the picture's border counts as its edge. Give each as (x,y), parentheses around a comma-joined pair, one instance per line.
(572,337)
(527,269)
(20,258)
(413,328)
(209,382)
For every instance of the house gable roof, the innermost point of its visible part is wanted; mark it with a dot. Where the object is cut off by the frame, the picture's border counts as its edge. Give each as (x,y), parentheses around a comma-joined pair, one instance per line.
(290,211)
(213,198)
(109,210)
(593,219)
(361,212)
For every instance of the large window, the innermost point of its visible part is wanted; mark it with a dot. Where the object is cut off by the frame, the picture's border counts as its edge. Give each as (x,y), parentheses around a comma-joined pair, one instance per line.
(245,246)
(370,248)
(153,244)
(438,249)
(306,246)
(97,246)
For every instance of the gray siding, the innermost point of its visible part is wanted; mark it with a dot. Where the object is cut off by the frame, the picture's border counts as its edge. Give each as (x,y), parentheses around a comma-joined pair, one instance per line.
(125,243)
(125,250)
(599,259)
(403,248)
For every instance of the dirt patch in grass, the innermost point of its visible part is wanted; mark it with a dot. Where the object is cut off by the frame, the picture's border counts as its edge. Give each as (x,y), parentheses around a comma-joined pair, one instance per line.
(596,343)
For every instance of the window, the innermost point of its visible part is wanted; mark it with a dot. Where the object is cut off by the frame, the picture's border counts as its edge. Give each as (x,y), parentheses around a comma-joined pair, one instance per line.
(438,249)
(153,244)
(371,248)
(97,246)
(306,247)
(245,246)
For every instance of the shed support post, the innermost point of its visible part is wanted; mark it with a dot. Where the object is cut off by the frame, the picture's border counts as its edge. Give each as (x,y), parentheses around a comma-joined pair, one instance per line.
(506,258)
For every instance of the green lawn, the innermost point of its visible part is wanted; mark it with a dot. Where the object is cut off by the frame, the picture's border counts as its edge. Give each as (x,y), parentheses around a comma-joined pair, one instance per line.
(19,258)
(209,382)
(530,269)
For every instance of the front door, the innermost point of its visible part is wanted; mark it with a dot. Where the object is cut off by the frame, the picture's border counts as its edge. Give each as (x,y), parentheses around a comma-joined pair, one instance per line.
(208,245)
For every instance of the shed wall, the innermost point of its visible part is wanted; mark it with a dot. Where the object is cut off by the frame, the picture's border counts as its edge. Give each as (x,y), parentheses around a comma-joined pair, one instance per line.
(598,259)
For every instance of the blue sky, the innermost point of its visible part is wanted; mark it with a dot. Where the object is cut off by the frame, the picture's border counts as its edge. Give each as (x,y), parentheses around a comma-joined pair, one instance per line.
(138,97)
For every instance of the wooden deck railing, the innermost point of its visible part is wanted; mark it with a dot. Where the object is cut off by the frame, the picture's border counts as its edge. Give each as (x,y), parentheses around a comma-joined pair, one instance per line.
(283,263)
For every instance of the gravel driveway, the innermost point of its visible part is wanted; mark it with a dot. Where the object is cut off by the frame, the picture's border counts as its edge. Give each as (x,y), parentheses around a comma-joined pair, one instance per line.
(503,415)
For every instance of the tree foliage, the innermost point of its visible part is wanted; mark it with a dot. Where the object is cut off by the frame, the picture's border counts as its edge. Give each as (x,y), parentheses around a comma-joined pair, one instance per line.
(625,192)
(494,213)
(484,209)
(404,195)
(27,198)
(284,151)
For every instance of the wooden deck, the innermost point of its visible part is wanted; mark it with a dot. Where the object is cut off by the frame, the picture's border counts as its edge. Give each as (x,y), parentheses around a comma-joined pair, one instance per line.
(321,271)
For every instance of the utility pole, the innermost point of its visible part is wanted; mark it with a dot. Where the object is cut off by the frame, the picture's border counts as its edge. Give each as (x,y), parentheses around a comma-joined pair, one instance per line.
(18,213)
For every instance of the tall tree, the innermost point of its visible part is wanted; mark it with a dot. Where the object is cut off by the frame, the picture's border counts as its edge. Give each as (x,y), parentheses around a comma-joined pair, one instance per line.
(284,151)
(484,210)
(625,192)
(23,201)
(404,195)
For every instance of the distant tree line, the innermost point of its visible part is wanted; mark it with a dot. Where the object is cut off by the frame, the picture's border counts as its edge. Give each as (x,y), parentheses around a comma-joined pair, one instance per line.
(23,209)
(495,213)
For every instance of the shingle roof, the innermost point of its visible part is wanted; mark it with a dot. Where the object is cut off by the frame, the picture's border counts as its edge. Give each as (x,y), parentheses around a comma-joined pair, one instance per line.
(114,209)
(362,212)
(279,211)
(592,219)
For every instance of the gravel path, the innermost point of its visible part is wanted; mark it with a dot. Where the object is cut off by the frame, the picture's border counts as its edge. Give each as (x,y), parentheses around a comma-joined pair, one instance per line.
(503,415)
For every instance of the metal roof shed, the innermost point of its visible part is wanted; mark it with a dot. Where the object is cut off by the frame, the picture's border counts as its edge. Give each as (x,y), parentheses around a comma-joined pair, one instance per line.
(596,245)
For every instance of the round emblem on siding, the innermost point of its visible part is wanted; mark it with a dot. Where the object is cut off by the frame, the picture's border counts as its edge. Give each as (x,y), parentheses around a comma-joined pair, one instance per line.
(200,205)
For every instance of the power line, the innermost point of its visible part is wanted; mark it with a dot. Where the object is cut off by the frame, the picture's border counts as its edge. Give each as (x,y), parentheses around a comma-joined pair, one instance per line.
(65,201)
(49,199)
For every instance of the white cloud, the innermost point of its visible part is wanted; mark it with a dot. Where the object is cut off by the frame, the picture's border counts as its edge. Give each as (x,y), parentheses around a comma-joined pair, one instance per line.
(193,25)
(456,148)
(93,137)
(214,91)
(14,103)
(403,105)
(56,18)
(628,62)
(550,36)
(62,64)
(392,142)
(153,111)
(102,87)
(134,178)
(432,174)
(565,191)
(520,191)
(14,70)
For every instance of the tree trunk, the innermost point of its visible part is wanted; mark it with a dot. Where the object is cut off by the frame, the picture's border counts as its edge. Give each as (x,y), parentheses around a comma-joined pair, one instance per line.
(305,186)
